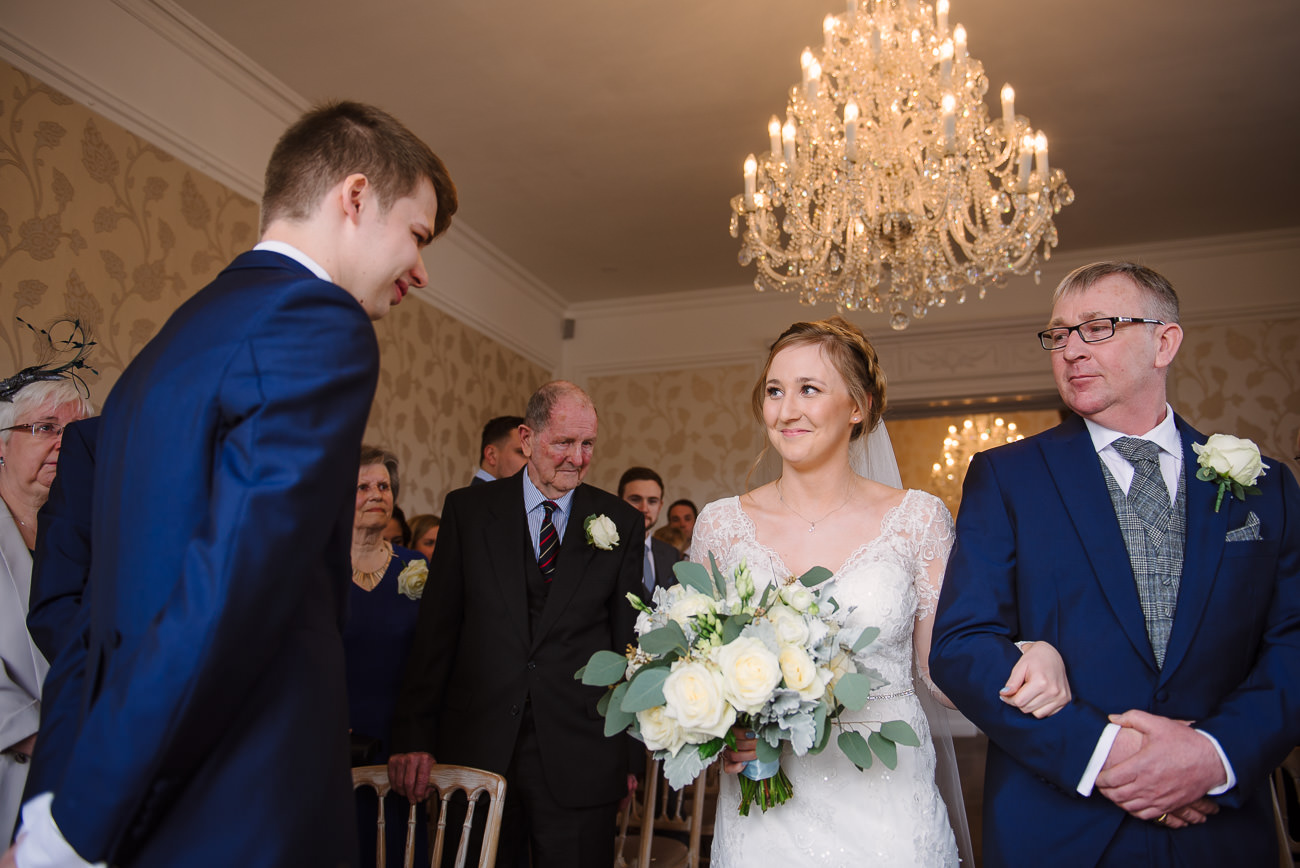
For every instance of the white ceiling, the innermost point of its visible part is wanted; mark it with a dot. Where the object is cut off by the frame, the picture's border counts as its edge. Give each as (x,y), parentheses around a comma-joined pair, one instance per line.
(598,143)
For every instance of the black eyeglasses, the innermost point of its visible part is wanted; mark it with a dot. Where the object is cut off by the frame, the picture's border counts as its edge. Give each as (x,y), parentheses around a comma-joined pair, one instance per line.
(1090,332)
(40,430)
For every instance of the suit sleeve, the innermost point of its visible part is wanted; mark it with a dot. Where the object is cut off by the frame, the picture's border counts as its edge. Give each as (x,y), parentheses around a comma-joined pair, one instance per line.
(975,630)
(293,401)
(1259,722)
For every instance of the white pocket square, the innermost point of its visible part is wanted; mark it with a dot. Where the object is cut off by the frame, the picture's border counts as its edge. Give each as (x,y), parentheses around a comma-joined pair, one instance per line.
(1247,532)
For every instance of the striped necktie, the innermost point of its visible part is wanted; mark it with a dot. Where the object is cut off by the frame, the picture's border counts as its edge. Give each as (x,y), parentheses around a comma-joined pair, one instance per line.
(548,542)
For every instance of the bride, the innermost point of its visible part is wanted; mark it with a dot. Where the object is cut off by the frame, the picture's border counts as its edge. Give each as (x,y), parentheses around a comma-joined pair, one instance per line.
(822,390)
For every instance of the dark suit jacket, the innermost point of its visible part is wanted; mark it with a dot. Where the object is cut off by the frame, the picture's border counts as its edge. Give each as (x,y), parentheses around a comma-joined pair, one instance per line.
(1039,555)
(474,664)
(223,501)
(56,619)
(664,557)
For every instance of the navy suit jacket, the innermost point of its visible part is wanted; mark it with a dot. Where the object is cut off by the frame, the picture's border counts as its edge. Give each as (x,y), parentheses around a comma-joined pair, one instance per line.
(1039,555)
(215,722)
(664,557)
(474,661)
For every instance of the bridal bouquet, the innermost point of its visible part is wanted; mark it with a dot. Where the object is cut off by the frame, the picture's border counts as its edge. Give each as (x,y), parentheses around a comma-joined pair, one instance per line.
(712,653)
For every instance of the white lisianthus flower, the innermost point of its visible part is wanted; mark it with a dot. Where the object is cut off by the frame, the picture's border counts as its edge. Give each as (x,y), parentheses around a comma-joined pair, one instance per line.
(791,628)
(410,581)
(659,731)
(841,664)
(689,605)
(750,672)
(797,597)
(1233,457)
(601,532)
(801,673)
(694,698)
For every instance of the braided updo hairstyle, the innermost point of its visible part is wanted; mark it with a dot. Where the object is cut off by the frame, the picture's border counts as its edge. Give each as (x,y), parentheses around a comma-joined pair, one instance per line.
(852,356)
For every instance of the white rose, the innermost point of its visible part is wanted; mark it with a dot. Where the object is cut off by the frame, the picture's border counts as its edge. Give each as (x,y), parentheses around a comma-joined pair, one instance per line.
(791,628)
(601,532)
(410,581)
(1234,457)
(800,672)
(659,731)
(750,672)
(797,597)
(689,605)
(693,698)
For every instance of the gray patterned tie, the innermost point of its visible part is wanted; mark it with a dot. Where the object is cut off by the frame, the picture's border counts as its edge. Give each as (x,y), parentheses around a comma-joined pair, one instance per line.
(1147,494)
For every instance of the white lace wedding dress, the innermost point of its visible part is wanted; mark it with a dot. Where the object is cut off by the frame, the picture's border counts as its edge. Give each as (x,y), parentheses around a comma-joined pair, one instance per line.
(840,816)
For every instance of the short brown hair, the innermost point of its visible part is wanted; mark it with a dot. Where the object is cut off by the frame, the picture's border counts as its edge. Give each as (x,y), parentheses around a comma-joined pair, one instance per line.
(852,356)
(1155,287)
(639,474)
(338,139)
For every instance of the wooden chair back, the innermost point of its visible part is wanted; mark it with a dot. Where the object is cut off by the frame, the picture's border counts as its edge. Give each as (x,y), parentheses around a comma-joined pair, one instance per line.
(1286,809)
(446,780)
(657,808)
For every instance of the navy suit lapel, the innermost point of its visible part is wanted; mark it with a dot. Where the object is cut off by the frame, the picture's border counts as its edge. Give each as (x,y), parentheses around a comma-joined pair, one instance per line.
(1076,470)
(505,534)
(575,555)
(1206,532)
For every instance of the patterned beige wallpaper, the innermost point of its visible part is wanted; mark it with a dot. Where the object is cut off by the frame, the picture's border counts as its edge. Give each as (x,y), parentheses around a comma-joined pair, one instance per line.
(97,224)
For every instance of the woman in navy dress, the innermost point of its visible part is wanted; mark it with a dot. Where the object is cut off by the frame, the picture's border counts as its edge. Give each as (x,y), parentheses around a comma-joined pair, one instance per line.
(387,583)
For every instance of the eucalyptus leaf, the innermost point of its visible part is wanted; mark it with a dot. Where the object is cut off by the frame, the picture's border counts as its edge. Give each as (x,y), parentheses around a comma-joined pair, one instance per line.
(719,583)
(732,626)
(868,636)
(669,637)
(766,600)
(603,669)
(645,690)
(602,704)
(852,690)
(1205,474)
(694,576)
(899,732)
(884,748)
(815,576)
(616,719)
(766,752)
(823,736)
(854,746)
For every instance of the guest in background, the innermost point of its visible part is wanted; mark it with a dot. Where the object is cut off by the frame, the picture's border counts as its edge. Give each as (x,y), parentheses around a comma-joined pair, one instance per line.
(672,536)
(499,452)
(383,604)
(424,534)
(681,515)
(397,531)
(644,489)
(35,405)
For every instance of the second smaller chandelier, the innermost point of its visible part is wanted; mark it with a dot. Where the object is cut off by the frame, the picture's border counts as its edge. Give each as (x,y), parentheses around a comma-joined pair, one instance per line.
(888,188)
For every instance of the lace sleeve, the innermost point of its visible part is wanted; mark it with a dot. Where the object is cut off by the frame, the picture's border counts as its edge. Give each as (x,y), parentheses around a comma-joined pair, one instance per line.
(930,534)
(718,529)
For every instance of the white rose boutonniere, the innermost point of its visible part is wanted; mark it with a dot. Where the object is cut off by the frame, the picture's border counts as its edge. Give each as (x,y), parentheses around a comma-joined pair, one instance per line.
(1234,464)
(410,581)
(601,532)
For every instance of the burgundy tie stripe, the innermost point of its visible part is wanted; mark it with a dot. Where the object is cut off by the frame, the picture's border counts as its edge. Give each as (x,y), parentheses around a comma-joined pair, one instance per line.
(548,542)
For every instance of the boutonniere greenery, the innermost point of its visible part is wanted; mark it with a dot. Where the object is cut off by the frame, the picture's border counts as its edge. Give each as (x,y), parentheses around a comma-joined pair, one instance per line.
(601,532)
(411,580)
(1231,463)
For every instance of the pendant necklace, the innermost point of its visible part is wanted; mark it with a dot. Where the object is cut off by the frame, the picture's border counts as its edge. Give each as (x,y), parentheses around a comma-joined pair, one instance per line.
(812,525)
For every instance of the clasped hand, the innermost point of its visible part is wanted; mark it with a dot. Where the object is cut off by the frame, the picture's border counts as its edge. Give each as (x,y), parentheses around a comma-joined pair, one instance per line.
(1159,767)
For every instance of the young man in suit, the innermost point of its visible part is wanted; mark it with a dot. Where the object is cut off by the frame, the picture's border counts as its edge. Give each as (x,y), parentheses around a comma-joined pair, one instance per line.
(520,595)
(644,489)
(222,504)
(1178,618)
(499,452)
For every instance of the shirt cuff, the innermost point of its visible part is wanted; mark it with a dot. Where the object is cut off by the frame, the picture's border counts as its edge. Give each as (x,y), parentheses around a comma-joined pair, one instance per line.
(41,844)
(1228,773)
(1099,754)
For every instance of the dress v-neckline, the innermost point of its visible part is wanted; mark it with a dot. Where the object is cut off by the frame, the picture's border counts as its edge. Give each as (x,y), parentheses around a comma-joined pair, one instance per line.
(885,522)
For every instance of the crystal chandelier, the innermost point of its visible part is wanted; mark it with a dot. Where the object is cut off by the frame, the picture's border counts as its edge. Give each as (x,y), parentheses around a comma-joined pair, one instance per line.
(888,188)
(959,447)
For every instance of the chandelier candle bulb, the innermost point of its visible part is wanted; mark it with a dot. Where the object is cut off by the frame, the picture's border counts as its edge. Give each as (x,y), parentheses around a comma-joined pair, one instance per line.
(877,36)
(941,16)
(1009,109)
(851,130)
(787,141)
(774,136)
(1040,158)
(828,31)
(959,41)
(814,79)
(949,122)
(751,177)
(1026,162)
(945,65)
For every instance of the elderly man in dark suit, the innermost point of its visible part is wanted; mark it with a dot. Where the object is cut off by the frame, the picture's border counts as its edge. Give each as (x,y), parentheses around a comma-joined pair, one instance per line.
(222,505)
(529,579)
(1178,615)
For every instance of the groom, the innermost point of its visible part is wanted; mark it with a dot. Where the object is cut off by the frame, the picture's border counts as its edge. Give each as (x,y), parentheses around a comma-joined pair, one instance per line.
(1179,623)
(519,597)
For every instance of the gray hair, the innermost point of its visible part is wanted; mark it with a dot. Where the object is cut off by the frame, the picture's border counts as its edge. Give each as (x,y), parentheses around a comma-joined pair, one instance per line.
(542,404)
(1155,288)
(40,394)
(377,455)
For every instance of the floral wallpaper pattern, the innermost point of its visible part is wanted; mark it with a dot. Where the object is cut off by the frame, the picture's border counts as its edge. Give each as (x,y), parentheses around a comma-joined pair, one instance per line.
(97,224)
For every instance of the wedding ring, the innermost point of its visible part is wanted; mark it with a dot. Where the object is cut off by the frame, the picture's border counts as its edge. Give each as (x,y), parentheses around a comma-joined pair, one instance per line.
(1160,820)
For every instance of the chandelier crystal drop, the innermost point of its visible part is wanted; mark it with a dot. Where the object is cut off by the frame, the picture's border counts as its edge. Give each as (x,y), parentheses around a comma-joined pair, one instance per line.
(888,188)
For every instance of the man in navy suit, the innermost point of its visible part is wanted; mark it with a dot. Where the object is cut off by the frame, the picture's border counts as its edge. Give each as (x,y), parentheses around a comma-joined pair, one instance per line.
(644,489)
(520,595)
(499,452)
(1179,621)
(212,728)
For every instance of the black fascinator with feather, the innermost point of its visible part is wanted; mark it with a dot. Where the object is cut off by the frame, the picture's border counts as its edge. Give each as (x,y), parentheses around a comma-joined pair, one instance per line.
(62,351)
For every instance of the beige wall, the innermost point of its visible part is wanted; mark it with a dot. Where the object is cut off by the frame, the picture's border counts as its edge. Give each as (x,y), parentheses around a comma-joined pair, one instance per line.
(97,224)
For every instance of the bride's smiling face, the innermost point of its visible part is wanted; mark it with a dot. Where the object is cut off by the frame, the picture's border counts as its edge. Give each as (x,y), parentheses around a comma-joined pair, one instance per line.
(807,407)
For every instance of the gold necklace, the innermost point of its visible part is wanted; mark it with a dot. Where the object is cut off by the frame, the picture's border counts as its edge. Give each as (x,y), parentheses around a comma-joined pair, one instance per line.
(812,525)
(370,580)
